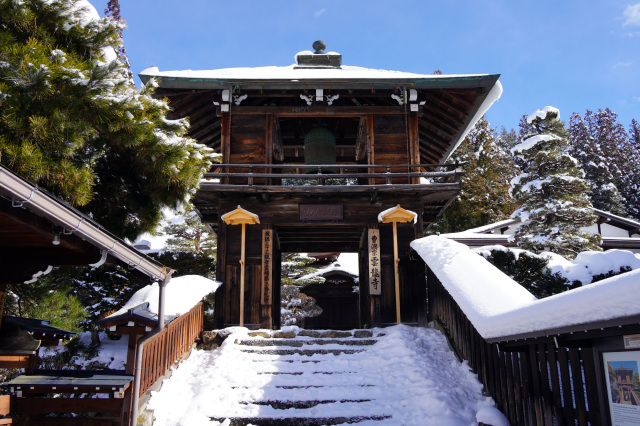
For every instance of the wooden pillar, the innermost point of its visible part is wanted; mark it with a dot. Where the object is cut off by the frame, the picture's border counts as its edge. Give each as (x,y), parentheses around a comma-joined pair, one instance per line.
(3,295)
(268,144)
(370,146)
(132,346)
(414,143)
(225,141)
(267,277)
(221,257)
(242,263)
(396,260)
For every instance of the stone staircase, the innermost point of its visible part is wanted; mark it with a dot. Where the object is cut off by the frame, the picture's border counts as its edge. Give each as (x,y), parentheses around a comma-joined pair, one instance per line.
(312,378)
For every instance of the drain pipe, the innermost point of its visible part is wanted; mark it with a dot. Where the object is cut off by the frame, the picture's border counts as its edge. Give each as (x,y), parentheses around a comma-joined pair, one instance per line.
(140,347)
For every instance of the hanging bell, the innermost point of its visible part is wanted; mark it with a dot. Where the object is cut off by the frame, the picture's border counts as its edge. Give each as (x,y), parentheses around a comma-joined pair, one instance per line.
(319,148)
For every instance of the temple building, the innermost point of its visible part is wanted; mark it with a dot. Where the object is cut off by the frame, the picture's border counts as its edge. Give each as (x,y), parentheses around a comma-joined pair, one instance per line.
(317,151)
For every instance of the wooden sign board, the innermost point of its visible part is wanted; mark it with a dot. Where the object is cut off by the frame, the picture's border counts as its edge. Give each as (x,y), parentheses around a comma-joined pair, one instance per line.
(267,265)
(632,341)
(320,212)
(619,370)
(375,283)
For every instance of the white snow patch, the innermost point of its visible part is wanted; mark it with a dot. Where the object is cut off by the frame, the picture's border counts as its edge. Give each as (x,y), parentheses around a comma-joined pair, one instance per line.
(181,294)
(532,141)
(492,97)
(385,212)
(481,289)
(590,263)
(291,73)
(498,306)
(542,114)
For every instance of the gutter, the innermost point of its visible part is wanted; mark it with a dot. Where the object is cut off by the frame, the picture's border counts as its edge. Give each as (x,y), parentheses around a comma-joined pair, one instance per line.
(140,348)
(25,194)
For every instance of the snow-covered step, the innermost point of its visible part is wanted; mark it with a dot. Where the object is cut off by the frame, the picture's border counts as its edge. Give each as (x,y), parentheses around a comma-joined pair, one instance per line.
(298,421)
(305,352)
(303,393)
(285,405)
(400,375)
(305,379)
(306,343)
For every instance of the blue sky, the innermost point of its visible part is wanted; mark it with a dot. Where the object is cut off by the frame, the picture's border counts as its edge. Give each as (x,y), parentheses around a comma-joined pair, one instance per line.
(571,54)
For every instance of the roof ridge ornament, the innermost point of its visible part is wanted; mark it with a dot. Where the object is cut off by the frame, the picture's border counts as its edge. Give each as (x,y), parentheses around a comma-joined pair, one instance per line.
(319,58)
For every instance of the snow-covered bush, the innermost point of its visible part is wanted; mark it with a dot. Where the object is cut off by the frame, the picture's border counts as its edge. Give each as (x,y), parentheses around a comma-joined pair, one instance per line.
(548,273)
(530,271)
(295,307)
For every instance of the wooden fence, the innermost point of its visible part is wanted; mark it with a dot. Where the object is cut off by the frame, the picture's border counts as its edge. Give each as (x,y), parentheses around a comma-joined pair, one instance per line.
(532,384)
(166,347)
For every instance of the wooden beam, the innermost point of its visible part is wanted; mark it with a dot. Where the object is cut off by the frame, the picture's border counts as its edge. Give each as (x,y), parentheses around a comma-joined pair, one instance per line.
(318,111)
(278,149)
(361,140)
(414,142)
(370,145)
(268,140)
(225,138)
(3,294)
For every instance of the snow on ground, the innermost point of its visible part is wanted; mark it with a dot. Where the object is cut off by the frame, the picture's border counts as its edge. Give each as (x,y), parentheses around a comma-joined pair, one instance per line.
(182,294)
(415,377)
(498,306)
(111,354)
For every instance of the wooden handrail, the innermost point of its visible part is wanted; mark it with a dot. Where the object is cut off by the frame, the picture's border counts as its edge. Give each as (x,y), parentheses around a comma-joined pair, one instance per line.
(535,383)
(166,347)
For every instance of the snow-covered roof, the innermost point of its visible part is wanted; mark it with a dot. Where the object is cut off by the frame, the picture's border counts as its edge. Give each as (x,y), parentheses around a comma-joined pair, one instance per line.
(486,228)
(499,307)
(294,73)
(182,294)
(334,267)
(484,235)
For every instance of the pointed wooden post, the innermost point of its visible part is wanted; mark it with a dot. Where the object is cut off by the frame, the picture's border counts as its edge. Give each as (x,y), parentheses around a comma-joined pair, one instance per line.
(242,217)
(395,215)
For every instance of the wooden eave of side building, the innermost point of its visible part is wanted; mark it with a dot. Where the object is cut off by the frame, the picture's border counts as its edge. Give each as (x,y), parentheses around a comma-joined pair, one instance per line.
(30,219)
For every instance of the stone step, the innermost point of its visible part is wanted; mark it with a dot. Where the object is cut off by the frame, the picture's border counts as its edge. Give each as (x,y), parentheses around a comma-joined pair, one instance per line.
(293,392)
(298,421)
(305,352)
(300,373)
(298,343)
(285,405)
(300,386)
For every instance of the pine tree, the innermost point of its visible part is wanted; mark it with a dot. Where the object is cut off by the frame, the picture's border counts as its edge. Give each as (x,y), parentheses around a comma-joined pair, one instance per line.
(72,122)
(595,161)
(191,246)
(485,196)
(552,192)
(609,159)
(634,134)
(295,266)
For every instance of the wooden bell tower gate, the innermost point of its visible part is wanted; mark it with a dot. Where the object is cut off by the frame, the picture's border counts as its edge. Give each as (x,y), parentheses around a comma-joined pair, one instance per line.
(384,138)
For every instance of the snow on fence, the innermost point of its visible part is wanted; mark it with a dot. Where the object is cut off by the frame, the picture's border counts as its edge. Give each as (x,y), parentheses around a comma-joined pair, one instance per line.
(541,360)
(166,347)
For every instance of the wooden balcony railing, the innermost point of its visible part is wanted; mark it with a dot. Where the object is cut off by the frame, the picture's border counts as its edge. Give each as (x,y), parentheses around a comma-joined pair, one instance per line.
(359,174)
(166,347)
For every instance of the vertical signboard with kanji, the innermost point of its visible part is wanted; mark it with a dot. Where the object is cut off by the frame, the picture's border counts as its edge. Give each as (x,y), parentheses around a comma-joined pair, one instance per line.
(267,265)
(375,284)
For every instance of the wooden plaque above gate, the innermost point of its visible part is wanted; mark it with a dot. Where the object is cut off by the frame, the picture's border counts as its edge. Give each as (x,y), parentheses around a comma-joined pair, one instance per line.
(320,212)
